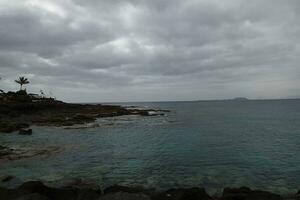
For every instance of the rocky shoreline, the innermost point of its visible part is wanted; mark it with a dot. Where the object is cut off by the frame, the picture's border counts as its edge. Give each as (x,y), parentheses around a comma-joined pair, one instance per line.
(77,189)
(17,153)
(19,116)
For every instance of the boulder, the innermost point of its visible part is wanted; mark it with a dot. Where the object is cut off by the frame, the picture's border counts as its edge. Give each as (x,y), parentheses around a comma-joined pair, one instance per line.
(120,188)
(6,178)
(62,193)
(245,193)
(11,194)
(297,195)
(25,131)
(86,189)
(11,127)
(88,194)
(34,187)
(183,194)
(125,196)
(73,192)
(78,183)
(33,196)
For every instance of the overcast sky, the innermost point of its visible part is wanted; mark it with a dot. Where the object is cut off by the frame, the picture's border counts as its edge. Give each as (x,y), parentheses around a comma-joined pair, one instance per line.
(151,50)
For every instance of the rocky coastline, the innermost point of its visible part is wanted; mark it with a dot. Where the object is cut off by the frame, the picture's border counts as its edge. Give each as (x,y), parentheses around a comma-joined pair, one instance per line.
(78,189)
(19,115)
(18,112)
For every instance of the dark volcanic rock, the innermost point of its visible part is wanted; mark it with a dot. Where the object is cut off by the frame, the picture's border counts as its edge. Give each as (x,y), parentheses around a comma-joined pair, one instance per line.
(76,189)
(34,187)
(297,195)
(5,151)
(183,194)
(6,178)
(88,194)
(10,194)
(125,189)
(11,127)
(25,131)
(34,196)
(17,153)
(125,196)
(245,193)
(55,113)
(78,192)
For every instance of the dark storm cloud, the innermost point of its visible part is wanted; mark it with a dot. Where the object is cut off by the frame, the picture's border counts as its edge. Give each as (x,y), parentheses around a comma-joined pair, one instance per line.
(152,50)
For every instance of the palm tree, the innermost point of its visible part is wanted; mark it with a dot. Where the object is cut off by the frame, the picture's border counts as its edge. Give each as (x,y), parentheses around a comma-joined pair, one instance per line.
(1,91)
(22,81)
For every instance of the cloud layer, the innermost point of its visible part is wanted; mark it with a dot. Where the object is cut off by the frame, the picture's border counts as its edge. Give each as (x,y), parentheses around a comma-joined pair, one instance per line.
(138,50)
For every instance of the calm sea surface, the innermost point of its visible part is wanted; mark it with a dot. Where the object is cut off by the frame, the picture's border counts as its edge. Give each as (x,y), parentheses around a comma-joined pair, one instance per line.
(211,144)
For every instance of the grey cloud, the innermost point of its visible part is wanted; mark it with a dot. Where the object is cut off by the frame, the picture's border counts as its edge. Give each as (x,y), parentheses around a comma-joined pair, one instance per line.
(152,50)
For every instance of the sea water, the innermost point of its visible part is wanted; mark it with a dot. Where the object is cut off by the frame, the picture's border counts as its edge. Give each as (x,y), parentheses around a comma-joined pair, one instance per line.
(211,144)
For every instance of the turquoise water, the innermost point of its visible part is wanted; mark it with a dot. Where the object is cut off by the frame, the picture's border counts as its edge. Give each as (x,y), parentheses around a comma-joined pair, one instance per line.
(211,144)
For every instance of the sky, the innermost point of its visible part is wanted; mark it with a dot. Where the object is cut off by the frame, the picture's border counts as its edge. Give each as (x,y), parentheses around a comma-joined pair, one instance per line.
(142,50)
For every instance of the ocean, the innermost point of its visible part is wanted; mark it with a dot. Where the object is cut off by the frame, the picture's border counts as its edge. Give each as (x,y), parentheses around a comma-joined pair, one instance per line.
(211,144)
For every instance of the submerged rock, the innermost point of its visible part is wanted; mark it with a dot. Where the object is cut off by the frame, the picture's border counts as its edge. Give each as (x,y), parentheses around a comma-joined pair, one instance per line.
(25,131)
(17,153)
(6,178)
(183,194)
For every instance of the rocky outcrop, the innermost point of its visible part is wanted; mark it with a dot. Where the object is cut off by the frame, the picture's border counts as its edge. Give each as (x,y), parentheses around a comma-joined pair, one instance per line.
(6,178)
(245,193)
(297,196)
(37,190)
(9,127)
(56,113)
(77,189)
(125,196)
(25,131)
(183,194)
(17,153)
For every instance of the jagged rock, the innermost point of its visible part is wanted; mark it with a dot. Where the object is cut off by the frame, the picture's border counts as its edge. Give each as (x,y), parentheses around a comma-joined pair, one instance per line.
(125,196)
(88,194)
(11,194)
(183,194)
(5,151)
(6,178)
(119,188)
(62,193)
(11,127)
(25,131)
(34,196)
(297,195)
(34,187)
(245,193)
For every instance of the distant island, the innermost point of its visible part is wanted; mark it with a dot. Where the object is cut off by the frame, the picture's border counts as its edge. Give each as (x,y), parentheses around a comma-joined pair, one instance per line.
(240,99)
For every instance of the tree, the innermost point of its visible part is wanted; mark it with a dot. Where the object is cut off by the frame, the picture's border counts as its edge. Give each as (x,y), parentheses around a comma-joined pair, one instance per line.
(22,81)
(1,91)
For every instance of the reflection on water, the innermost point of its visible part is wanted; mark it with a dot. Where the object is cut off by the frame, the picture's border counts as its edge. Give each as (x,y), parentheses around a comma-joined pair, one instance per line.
(209,144)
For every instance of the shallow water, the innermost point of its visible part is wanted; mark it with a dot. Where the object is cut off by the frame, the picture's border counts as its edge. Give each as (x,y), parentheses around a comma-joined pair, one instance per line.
(211,144)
